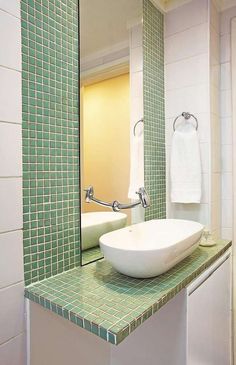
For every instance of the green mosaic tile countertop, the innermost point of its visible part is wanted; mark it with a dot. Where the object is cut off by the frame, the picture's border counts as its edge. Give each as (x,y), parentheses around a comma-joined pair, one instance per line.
(111,305)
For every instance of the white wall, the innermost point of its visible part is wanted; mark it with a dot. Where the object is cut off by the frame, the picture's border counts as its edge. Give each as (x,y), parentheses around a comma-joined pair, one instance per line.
(192,78)
(188,71)
(136,99)
(233,90)
(226,124)
(214,135)
(11,248)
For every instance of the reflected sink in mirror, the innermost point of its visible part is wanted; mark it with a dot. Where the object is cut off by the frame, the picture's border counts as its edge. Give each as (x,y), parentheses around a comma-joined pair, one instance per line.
(150,248)
(111,111)
(93,226)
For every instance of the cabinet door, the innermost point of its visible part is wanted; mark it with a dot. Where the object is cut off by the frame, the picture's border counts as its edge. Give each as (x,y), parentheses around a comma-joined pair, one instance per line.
(209,319)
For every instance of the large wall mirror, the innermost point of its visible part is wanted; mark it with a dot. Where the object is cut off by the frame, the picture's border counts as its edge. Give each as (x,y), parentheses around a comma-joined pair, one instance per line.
(111,118)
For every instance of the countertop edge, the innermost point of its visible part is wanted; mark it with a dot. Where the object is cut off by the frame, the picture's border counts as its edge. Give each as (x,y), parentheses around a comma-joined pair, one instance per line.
(109,335)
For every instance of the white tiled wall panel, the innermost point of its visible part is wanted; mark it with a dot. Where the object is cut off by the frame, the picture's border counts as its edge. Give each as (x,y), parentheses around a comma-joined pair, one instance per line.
(137,85)
(10,204)
(227,216)
(10,150)
(192,84)
(227,185)
(215,165)
(136,91)
(11,6)
(136,36)
(192,212)
(193,98)
(186,77)
(181,18)
(179,74)
(205,157)
(226,233)
(205,188)
(226,124)
(10,95)
(225,20)
(10,40)
(226,130)
(12,312)
(12,348)
(226,158)
(136,59)
(12,352)
(11,258)
(225,103)
(225,48)
(188,43)
(225,76)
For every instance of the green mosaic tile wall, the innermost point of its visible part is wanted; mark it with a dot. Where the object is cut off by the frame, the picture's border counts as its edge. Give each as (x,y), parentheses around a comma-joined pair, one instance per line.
(50,137)
(154,113)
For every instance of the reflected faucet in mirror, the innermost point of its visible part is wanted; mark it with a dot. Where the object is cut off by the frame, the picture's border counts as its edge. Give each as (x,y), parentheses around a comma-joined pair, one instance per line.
(111,120)
(116,206)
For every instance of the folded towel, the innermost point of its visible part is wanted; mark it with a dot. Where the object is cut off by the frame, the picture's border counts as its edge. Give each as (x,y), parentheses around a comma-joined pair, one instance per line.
(185,167)
(136,165)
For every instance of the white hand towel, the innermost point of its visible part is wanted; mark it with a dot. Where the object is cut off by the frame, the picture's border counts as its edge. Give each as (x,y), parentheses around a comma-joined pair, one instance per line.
(136,165)
(185,167)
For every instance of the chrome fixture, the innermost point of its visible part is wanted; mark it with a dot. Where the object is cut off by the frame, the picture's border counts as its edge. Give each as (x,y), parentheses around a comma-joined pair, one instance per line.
(186,116)
(139,121)
(115,205)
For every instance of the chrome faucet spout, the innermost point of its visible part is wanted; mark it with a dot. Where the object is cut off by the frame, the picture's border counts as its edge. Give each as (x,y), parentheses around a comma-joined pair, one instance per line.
(115,205)
(89,194)
(143,197)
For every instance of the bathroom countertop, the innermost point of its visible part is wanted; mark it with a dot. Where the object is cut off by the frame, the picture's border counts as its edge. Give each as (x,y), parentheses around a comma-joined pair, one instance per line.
(112,305)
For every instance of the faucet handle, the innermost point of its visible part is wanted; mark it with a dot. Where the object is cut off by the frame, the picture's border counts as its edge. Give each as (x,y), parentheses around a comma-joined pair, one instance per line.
(143,197)
(89,194)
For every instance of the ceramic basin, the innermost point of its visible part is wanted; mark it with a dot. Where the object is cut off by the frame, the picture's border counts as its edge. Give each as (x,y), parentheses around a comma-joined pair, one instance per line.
(150,248)
(95,224)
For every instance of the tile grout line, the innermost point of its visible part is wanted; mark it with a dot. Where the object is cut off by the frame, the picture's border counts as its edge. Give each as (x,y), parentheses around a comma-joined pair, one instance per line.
(11,339)
(7,12)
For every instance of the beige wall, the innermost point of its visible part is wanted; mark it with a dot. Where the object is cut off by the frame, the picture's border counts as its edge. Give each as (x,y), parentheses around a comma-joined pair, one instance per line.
(106,140)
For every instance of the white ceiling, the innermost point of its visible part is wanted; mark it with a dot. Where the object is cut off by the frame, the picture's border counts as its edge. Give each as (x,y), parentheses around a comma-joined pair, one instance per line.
(103,23)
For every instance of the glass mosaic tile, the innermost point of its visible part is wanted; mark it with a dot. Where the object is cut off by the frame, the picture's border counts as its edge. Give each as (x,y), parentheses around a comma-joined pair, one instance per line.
(91,254)
(154,114)
(50,128)
(111,305)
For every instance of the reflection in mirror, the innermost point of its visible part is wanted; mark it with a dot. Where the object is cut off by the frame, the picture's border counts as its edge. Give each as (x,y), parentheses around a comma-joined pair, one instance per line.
(111,114)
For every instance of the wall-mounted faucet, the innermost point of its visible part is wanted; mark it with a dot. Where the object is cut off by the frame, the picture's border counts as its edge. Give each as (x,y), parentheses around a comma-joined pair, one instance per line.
(115,205)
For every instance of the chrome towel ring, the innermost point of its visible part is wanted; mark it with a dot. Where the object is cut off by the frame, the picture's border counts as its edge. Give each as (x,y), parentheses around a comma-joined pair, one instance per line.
(186,116)
(139,121)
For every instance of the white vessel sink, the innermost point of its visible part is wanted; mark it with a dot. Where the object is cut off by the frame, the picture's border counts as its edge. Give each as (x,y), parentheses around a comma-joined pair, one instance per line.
(150,248)
(95,224)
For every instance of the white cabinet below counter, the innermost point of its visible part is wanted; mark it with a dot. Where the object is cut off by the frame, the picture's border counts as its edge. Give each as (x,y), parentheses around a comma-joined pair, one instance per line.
(209,316)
